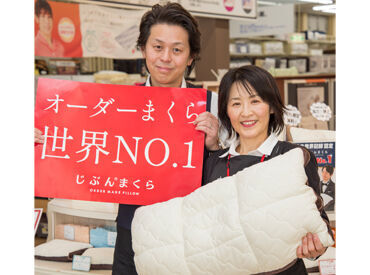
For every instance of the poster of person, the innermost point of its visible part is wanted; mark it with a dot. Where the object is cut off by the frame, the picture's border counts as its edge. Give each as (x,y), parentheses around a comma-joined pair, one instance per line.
(57,29)
(325,157)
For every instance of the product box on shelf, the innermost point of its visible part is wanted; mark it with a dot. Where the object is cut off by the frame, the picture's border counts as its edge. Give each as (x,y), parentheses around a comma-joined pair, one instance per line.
(316,51)
(299,63)
(254,48)
(297,48)
(297,37)
(235,63)
(316,64)
(329,62)
(273,47)
(241,47)
(322,64)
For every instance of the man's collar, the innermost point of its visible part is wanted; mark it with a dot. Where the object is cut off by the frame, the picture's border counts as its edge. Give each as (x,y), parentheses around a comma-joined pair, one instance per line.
(264,149)
(147,83)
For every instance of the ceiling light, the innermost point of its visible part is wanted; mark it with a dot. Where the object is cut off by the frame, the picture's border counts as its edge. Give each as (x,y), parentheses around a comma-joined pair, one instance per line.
(268,3)
(318,1)
(325,8)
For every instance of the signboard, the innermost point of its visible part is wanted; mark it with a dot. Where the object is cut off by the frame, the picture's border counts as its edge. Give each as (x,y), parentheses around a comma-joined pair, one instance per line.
(57,29)
(37,218)
(82,30)
(116,143)
(229,9)
(110,32)
(324,152)
(271,20)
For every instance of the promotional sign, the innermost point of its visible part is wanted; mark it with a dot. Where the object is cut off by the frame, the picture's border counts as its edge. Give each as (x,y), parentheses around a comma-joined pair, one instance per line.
(324,152)
(37,218)
(292,116)
(116,143)
(237,9)
(320,111)
(57,29)
(272,20)
(82,30)
(109,32)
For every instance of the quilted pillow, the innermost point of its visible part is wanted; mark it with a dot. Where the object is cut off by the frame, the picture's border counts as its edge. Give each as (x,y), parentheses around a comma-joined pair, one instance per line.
(101,237)
(101,258)
(249,223)
(60,250)
(78,233)
(308,135)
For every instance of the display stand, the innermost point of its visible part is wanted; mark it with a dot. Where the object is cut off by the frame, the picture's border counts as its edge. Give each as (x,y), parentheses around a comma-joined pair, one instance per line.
(62,211)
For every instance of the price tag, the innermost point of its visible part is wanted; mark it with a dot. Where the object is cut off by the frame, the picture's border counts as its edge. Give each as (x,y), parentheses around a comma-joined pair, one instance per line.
(327,267)
(69,232)
(112,236)
(81,263)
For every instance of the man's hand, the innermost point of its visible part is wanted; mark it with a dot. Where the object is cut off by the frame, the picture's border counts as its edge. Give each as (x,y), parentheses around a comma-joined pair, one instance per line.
(39,138)
(208,123)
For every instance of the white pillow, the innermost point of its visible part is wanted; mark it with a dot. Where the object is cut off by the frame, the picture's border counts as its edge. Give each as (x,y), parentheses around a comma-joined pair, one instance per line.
(248,223)
(60,250)
(101,257)
(308,135)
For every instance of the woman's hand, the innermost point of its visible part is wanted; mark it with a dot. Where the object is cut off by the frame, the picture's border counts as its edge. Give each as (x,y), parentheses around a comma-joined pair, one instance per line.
(208,123)
(39,138)
(311,247)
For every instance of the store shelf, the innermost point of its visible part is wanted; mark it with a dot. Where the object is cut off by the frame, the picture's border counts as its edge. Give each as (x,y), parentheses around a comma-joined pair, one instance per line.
(239,55)
(330,42)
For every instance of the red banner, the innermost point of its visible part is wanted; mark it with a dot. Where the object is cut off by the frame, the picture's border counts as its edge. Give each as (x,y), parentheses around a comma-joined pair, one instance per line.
(116,143)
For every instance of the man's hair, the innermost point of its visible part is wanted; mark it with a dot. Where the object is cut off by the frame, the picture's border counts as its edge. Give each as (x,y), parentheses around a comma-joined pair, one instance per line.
(252,78)
(171,14)
(42,5)
(329,169)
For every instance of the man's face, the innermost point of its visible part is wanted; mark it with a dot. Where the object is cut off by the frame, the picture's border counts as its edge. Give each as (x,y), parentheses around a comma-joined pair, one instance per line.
(45,22)
(167,54)
(325,175)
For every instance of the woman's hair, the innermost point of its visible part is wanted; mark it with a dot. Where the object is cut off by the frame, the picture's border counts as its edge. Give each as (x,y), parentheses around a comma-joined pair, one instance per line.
(43,5)
(256,79)
(171,14)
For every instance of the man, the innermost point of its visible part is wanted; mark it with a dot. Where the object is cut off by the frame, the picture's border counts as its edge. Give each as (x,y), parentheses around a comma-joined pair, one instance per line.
(327,186)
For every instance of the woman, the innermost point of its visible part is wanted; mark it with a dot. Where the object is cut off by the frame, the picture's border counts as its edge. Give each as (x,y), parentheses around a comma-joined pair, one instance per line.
(251,110)
(169,40)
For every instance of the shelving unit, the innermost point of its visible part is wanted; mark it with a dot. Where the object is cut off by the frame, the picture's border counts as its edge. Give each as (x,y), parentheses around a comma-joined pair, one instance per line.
(62,211)
(304,54)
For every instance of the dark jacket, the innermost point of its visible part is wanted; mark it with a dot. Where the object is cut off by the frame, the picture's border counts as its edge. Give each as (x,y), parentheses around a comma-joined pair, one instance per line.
(330,191)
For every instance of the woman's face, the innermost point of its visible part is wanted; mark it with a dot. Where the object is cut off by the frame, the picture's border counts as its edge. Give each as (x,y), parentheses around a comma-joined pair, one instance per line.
(249,114)
(167,54)
(45,22)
